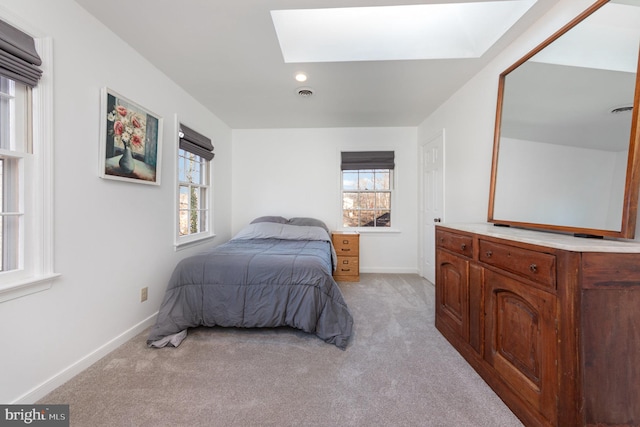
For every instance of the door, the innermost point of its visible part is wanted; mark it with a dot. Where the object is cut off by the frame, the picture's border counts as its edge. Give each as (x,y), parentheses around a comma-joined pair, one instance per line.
(452,296)
(431,201)
(520,340)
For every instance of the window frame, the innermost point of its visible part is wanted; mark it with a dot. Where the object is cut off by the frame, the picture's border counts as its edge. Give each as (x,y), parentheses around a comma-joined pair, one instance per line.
(35,271)
(183,241)
(393,177)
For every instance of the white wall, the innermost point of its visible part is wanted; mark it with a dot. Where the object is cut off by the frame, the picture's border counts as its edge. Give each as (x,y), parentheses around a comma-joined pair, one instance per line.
(570,186)
(469,119)
(616,194)
(111,238)
(296,172)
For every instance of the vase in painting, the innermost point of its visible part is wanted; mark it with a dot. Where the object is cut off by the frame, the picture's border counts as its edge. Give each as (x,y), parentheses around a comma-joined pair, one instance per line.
(126,161)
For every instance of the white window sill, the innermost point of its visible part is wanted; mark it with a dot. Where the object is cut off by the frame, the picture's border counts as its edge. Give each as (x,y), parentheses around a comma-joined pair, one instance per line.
(193,242)
(27,286)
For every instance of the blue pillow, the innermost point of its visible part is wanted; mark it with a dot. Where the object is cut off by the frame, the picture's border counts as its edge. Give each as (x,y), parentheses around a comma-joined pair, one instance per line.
(276,219)
(308,222)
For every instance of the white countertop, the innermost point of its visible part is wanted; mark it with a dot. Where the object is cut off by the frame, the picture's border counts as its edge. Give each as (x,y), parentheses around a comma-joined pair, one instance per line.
(555,240)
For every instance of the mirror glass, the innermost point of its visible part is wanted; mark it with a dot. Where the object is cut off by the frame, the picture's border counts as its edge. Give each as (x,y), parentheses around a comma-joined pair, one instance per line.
(564,128)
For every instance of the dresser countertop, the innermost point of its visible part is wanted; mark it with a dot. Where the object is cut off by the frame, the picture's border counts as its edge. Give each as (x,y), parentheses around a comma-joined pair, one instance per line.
(542,238)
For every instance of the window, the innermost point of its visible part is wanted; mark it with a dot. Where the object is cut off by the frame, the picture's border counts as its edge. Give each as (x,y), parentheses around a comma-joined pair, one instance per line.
(367,188)
(194,186)
(195,152)
(15,146)
(26,164)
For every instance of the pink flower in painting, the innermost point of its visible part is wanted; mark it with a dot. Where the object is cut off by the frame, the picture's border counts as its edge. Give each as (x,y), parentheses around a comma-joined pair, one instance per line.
(136,140)
(128,128)
(118,128)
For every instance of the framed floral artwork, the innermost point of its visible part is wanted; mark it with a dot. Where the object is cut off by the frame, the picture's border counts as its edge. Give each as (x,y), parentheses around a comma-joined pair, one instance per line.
(130,140)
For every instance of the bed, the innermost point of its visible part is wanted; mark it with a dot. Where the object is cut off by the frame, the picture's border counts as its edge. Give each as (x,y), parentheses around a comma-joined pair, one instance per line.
(274,272)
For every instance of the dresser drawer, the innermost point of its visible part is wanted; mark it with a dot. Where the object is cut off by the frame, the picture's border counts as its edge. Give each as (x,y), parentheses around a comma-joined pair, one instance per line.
(537,266)
(457,243)
(347,266)
(346,244)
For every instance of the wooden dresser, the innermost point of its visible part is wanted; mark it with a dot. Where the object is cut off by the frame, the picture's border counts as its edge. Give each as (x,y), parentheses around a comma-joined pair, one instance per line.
(347,245)
(551,322)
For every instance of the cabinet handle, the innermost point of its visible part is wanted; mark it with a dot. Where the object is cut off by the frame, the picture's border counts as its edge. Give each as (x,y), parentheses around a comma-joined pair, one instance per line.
(489,253)
(345,249)
(533,268)
(463,246)
(345,242)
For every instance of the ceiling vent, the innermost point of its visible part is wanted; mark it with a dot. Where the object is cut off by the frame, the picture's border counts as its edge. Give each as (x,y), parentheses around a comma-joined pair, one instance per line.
(304,92)
(624,109)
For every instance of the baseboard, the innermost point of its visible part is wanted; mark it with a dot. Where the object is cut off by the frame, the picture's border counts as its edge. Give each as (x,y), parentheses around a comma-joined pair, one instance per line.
(388,270)
(71,371)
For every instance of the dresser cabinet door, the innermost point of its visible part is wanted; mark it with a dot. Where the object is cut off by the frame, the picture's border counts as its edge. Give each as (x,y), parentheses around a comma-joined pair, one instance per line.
(452,293)
(520,336)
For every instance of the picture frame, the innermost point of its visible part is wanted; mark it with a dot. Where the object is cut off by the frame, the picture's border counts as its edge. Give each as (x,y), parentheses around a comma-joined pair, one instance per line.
(130,140)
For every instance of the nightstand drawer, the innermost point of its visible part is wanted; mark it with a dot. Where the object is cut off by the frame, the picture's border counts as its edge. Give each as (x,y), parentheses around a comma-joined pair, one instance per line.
(347,266)
(346,244)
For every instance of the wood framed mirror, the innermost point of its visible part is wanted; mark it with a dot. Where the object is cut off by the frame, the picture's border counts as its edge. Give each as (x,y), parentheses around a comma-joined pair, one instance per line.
(566,146)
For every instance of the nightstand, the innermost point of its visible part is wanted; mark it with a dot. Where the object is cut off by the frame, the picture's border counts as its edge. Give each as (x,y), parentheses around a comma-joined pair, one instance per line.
(347,245)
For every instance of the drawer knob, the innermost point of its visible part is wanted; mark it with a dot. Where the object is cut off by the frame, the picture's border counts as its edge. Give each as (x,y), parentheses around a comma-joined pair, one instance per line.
(489,253)
(463,246)
(533,268)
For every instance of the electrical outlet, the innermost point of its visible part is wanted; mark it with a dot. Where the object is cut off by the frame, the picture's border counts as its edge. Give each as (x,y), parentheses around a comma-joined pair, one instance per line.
(144,293)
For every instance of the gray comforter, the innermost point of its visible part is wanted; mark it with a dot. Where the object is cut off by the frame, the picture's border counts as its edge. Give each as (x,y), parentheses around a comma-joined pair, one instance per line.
(268,275)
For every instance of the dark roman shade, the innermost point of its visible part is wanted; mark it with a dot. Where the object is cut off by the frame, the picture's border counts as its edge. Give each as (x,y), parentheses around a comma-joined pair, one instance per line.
(353,160)
(195,143)
(19,60)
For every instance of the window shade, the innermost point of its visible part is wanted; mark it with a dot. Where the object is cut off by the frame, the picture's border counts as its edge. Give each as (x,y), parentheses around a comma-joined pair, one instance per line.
(195,143)
(19,60)
(352,160)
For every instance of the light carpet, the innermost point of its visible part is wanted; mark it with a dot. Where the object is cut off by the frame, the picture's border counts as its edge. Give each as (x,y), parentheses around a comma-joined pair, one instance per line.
(398,370)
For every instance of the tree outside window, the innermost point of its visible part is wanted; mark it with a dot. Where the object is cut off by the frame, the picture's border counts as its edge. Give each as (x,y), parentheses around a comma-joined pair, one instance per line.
(366,197)
(193,193)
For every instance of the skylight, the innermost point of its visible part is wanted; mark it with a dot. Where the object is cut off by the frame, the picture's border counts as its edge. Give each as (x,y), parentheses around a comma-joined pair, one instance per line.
(425,31)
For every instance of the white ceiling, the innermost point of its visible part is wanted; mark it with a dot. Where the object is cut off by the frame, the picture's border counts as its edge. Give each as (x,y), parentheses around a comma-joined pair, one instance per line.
(566,92)
(226,54)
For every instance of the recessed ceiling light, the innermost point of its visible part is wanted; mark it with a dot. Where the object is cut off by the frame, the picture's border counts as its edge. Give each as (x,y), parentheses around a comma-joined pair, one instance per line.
(301,77)
(379,33)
